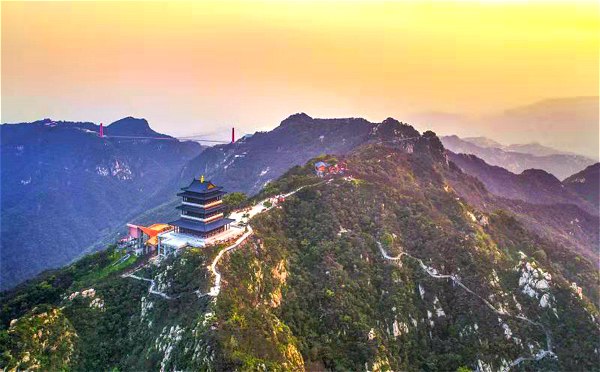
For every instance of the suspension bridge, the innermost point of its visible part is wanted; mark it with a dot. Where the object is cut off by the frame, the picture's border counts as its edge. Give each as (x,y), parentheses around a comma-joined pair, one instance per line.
(195,137)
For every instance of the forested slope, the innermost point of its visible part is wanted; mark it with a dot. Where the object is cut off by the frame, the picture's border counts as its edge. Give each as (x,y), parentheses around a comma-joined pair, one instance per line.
(317,287)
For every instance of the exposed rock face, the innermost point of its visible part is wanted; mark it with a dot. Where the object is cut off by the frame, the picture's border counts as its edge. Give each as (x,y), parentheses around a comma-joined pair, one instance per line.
(279,273)
(46,340)
(535,282)
(165,343)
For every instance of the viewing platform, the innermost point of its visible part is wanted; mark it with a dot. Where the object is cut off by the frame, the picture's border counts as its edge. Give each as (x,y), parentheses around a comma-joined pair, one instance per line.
(172,241)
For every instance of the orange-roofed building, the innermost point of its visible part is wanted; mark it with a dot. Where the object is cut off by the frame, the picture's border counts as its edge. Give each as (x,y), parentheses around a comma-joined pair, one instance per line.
(145,239)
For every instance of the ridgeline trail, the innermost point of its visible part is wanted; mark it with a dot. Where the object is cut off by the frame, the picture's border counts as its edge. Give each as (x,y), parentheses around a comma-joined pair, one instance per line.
(540,355)
(216,288)
(152,285)
(260,207)
(256,209)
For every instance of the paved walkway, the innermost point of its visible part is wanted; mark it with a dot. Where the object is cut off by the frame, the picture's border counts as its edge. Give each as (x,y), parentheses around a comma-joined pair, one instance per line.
(216,288)
(152,285)
(433,273)
(241,216)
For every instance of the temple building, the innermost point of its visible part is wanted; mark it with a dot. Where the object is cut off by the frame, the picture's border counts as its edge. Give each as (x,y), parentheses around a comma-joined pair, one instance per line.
(202,210)
(143,240)
(202,222)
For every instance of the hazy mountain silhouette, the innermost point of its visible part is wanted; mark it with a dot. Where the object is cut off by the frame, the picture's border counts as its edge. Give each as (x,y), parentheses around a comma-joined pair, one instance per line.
(560,165)
(63,187)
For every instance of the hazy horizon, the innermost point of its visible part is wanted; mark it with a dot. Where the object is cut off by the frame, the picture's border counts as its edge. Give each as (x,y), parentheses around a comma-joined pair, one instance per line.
(193,68)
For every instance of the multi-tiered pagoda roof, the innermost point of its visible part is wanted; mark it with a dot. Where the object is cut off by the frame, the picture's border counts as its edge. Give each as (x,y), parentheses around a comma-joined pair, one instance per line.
(202,209)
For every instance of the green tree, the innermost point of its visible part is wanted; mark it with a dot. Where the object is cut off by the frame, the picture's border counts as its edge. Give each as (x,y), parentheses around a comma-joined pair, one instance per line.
(235,198)
(387,239)
(540,255)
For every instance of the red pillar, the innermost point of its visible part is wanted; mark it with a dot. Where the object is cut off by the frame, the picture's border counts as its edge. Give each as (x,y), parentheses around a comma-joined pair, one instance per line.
(232,135)
(101,131)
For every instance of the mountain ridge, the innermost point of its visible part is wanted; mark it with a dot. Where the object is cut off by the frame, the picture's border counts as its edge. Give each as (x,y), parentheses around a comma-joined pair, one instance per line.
(532,148)
(560,165)
(551,121)
(586,183)
(253,162)
(64,186)
(246,165)
(531,185)
(569,124)
(312,290)
(548,209)
(130,126)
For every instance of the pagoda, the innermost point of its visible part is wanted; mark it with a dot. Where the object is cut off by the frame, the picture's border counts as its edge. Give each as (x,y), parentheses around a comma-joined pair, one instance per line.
(202,210)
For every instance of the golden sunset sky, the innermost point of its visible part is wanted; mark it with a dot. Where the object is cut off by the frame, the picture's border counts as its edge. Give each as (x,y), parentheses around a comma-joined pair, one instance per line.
(201,67)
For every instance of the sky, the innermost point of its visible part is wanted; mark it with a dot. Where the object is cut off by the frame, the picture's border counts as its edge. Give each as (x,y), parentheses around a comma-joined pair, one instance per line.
(191,68)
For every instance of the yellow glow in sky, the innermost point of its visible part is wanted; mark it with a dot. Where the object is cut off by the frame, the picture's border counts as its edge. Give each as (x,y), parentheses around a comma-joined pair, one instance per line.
(195,67)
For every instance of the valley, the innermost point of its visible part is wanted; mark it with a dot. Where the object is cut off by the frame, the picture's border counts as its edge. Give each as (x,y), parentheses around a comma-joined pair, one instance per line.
(519,158)
(385,260)
(64,187)
(292,186)
(130,194)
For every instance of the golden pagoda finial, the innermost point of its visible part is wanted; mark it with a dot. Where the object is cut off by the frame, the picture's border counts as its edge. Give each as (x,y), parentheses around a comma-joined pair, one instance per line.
(202,179)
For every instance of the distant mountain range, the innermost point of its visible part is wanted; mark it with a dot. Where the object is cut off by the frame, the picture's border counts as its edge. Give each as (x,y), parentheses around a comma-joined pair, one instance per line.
(483,142)
(563,123)
(532,148)
(63,187)
(387,267)
(558,210)
(532,185)
(569,125)
(537,149)
(518,158)
(66,191)
(586,184)
(251,162)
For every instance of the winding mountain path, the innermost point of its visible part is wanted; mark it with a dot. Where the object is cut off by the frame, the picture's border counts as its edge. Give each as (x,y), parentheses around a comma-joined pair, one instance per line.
(152,285)
(431,272)
(239,217)
(216,288)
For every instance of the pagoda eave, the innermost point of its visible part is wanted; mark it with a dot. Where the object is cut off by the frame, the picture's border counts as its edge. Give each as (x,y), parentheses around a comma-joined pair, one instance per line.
(189,208)
(198,196)
(201,227)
